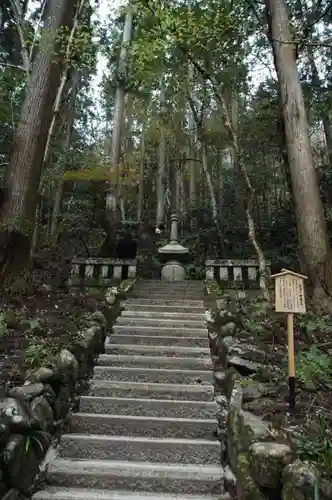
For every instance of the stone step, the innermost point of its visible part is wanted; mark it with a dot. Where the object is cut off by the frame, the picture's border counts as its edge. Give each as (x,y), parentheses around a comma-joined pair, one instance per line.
(156,350)
(160,330)
(163,322)
(198,291)
(129,425)
(162,308)
(137,476)
(178,392)
(165,302)
(148,407)
(131,313)
(167,283)
(170,284)
(54,493)
(175,285)
(137,361)
(148,294)
(153,375)
(159,340)
(135,449)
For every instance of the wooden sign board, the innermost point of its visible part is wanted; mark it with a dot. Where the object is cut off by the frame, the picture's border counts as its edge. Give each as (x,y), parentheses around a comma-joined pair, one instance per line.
(289,292)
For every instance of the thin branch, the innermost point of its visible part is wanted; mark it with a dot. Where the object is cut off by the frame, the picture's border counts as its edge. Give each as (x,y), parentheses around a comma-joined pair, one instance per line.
(16,8)
(316,17)
(37,30)
(15,66)
(324,43)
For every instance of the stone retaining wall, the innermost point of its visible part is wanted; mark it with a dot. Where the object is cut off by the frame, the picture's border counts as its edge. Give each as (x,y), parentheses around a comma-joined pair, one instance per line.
(33,415)
(260,461)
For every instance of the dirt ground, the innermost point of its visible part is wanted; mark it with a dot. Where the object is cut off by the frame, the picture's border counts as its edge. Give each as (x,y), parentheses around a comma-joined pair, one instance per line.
(46,315)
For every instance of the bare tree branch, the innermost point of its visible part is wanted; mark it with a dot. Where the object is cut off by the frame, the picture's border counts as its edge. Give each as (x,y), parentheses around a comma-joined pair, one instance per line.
(19,20)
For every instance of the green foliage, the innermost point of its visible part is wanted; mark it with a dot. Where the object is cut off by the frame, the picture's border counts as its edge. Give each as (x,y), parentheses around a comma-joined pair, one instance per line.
(254,325)
(314,368)
(38,440)
(125,284)
(39,351)
(317,448)
(313,324)
(213,288)
(195,271)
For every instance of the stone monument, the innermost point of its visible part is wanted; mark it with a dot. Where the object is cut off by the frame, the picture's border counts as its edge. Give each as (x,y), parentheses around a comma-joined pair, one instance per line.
(174,255)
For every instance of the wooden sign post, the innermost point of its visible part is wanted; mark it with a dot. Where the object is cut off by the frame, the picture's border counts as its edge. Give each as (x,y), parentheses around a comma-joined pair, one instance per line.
(289,298)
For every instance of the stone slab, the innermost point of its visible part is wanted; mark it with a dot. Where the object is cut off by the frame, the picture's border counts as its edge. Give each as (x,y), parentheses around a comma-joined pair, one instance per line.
(158,340)
(135,449)
(154,375)
(148,407)
(156,308)
(152,300)
(133,476)
(156,350)
(54,493)
(128,425)
(171,295)
(160,330)
(138,361)
(119,389)
(163,322)
(196,316)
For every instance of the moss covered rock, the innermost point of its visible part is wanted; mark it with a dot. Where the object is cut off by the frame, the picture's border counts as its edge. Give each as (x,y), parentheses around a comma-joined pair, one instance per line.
(246,488)
(267,461)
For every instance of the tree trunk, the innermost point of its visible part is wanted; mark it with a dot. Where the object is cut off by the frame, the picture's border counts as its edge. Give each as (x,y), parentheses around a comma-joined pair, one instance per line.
(325,115)
(160,184)
(191,149)
(55,118)
(208,176)
(54,231)
(140,196)
(25,166)
(114,192)
(128,148)
(311,225)
(192,144)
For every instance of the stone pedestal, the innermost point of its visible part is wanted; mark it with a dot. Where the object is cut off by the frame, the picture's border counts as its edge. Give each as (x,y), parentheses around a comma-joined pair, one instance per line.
(173,271)
(173,253)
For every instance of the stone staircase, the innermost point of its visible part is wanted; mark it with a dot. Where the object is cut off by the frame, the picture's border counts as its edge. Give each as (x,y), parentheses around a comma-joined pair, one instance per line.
(146,429)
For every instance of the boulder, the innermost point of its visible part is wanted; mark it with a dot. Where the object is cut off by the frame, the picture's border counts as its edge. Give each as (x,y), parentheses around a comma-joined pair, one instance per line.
(42,375)
(243,366)
(299,481)
(111,296)
(252,429)
(252,389)
(246,488)
(67,365)
(267,461)
(41,413)
(27,392)
(98,317)
(15,415)
(20,462)
(228,329)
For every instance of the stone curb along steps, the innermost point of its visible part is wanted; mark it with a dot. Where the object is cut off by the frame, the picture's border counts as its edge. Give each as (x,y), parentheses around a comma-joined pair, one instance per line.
(146,430)
(33,414)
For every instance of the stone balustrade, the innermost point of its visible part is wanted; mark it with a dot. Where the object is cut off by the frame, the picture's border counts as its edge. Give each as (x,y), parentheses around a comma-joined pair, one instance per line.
(101,272)
(234,273)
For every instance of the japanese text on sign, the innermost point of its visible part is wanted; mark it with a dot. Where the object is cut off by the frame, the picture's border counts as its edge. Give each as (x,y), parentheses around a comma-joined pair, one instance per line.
(289,294)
